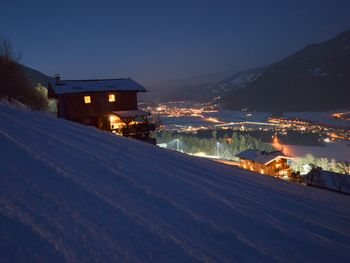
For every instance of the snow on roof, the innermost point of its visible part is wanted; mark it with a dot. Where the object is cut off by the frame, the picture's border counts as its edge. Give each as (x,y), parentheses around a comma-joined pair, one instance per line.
(72,193)
(261,156)
(95,85)
(131,113)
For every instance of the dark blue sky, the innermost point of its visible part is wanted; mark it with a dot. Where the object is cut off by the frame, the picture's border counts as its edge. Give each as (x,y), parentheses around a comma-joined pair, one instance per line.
(159,41)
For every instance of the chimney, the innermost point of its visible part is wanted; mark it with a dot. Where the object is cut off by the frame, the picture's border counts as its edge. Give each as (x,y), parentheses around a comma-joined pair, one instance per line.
(57,79)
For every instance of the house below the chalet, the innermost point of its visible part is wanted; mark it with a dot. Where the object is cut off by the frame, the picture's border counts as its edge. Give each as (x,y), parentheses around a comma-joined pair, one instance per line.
(271,163)
(108,104)
(333,181)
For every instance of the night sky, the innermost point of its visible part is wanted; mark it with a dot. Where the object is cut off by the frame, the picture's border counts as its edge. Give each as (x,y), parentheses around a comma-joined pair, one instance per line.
(163,42)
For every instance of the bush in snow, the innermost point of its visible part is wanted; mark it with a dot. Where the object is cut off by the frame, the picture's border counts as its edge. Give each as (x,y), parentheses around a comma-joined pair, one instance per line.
(13,83)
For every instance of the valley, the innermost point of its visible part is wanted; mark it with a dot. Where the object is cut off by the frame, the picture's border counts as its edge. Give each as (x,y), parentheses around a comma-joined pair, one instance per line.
(317,131)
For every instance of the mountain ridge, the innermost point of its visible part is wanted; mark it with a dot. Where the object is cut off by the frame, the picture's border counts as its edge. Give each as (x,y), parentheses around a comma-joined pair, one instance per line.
(207,92)
(316,78)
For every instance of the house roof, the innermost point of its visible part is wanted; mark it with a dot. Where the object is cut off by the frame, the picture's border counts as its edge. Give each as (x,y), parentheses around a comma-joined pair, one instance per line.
(95,85)
(261,156)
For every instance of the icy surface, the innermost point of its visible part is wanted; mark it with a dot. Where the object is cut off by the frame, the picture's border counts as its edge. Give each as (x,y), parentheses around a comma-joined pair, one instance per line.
(336,150)
(70,193)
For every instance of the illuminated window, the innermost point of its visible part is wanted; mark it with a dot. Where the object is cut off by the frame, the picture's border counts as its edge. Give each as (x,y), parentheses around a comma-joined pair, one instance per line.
(87,99)
(111,97)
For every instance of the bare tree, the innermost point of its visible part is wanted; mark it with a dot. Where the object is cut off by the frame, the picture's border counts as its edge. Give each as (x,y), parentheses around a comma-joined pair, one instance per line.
(13,82)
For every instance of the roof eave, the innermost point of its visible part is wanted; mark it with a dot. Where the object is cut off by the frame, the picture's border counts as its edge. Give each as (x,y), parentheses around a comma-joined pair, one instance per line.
(284,157)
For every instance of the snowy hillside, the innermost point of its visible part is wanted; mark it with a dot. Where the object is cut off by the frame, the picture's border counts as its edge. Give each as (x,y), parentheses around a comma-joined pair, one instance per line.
(70,193)
(239,80)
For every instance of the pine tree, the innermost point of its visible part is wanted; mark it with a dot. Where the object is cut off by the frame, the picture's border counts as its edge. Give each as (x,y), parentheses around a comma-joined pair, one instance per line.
(214,134)
(333,166)
(309,158)
(298,165)
(343,167)
(323,163)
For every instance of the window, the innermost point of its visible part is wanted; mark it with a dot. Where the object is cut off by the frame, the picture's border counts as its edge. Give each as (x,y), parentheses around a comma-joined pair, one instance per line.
(111,97)
(87,99)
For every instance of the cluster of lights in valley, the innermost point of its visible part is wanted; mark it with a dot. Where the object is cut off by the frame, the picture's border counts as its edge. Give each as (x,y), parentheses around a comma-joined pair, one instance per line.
(279,125)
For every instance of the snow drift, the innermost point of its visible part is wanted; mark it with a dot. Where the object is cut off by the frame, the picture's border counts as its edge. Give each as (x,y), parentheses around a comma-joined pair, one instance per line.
(70,193)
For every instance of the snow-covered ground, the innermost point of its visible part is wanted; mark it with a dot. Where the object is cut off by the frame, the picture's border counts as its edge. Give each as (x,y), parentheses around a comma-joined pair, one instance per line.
(324,117)
(74,193)
(336,150)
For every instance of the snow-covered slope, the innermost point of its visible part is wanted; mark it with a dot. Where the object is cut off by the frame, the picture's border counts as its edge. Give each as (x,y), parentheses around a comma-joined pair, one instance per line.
(77,194)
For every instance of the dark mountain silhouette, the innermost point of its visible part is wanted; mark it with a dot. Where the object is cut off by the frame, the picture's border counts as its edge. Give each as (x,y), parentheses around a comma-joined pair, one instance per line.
(316,78)
(215,91)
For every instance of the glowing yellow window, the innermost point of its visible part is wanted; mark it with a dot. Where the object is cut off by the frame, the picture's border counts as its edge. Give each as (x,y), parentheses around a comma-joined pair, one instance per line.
(111,97)
(87,99)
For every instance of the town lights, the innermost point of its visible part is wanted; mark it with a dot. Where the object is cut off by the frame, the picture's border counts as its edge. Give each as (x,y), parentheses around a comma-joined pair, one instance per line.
(211,119)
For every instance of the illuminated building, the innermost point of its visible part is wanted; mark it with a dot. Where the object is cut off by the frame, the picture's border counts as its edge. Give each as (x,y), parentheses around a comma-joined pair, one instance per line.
(108,104)
(271,163)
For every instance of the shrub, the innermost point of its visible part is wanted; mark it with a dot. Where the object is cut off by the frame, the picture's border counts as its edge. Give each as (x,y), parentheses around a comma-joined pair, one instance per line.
(13,83)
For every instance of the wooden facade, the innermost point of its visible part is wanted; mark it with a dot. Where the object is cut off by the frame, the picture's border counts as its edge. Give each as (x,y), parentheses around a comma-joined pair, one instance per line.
(98,103)
(73,106)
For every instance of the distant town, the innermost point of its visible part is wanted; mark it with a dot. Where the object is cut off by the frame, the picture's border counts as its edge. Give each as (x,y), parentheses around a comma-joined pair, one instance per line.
(192,117)
(293,140)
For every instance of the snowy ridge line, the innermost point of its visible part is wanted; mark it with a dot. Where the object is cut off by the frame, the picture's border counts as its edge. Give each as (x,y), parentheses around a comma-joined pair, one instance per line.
(189,181)
(209,193)
(109,198)
(16,212)
(251,198)
(132,182)
(45,161)
(137,219)
(62,172)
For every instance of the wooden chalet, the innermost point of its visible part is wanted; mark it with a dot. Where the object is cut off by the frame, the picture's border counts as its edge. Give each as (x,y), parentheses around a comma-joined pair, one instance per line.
(108,104)
(271,163)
